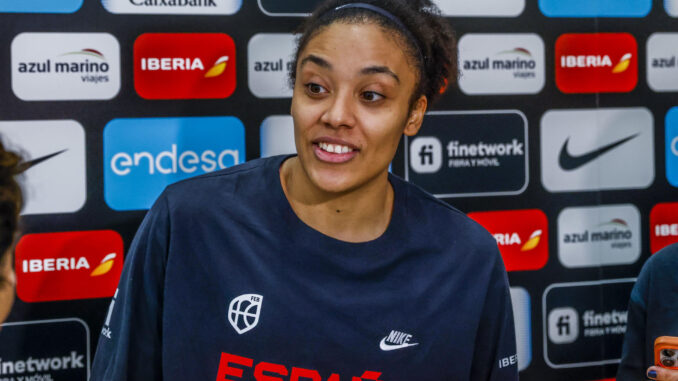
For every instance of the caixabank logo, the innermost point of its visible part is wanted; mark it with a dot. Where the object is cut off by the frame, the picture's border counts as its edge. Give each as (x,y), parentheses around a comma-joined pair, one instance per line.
(599,236)
(45,350)
(184,65)
(598,8)
(53,168)
(520,301)
(277,136)
(501,63)
(663,225)
(597,149)
(671,149)
(65,66)
(596,63)
(584,322)
(662,66)
(269,63)
(41,6)
(174,7)
(522,236)
(143,156)
(469,153)
(68,265)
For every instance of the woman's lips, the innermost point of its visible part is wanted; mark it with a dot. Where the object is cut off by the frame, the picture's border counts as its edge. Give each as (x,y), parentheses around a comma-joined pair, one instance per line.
(334,152)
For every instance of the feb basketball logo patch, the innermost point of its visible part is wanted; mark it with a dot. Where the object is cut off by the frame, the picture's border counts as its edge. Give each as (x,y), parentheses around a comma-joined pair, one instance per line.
(243,312)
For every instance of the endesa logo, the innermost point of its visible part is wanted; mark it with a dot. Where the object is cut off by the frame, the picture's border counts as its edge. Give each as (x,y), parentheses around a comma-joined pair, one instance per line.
(663,225)
(193,7)
(596,63)
(522,236)
(40,6)
(232,366)
(143,156)
(184,65)
(597,8)
(671,135)
(70,265)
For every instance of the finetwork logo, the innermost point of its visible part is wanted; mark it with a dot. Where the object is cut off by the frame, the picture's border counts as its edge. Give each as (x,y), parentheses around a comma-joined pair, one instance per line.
(662,70)
(187,7)
(584,322)
(41,6)
(520,301)
(277,136)
(598,8)
(70,265)
(501,63)
(45,350)
(596,63)
(184,65)
(143,156)
(53,167)
(663,225)
(65,66)
(588,150)
(470,153)
(671,150)
(599,236)
(522,236)
(481,8)
(269,64)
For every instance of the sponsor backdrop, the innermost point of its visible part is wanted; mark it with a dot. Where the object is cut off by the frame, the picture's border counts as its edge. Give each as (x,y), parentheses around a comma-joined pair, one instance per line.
(561,139)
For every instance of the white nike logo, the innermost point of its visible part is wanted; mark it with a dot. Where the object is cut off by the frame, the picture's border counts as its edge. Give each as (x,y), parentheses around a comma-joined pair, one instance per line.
(384,346)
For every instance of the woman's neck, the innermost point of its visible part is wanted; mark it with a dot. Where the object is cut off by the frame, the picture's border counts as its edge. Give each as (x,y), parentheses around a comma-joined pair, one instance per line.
(358,215)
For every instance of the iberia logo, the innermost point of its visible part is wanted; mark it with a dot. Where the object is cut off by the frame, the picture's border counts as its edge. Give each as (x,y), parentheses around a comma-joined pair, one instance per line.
(663,225)
(69,265)
(184,65)
(522,236)
(596,62)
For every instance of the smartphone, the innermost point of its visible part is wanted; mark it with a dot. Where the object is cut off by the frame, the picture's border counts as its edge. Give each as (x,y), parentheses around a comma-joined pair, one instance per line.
(666,352)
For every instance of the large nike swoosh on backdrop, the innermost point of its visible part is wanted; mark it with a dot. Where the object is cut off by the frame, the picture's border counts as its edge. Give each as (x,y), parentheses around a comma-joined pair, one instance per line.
(569,162)
(23,167)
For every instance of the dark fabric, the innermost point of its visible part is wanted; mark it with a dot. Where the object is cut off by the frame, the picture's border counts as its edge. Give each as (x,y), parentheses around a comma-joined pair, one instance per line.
(653,312)
(328,308)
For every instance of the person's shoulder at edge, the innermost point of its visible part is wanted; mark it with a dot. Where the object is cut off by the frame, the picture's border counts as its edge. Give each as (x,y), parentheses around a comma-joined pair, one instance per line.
(667,256)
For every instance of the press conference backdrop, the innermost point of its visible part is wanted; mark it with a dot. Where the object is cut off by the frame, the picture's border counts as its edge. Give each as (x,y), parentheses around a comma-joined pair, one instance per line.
(561,139)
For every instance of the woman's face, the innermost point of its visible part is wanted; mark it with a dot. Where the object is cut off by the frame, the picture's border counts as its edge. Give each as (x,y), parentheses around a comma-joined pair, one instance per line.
(351,105)
(7,282)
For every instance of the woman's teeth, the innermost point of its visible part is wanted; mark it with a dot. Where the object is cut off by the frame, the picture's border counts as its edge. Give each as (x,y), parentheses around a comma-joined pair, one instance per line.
(335,148)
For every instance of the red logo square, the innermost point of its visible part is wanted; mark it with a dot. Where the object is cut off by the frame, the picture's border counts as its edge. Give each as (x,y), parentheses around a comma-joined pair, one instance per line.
(663,225)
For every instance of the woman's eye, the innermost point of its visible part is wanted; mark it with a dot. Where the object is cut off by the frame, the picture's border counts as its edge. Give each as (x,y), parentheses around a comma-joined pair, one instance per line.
(371,96)
(315,88)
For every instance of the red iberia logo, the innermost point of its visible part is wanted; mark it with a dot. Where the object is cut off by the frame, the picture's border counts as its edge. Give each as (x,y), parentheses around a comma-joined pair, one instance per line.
(596,62)
(522,236)
(663,225)
(184,65)
(70,265)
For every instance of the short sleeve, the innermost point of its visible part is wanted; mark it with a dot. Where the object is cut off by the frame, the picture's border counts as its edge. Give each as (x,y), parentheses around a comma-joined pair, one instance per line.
(495,357)
(130,344)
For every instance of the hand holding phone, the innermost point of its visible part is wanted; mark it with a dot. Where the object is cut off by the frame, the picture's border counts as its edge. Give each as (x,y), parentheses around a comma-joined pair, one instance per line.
(666,352)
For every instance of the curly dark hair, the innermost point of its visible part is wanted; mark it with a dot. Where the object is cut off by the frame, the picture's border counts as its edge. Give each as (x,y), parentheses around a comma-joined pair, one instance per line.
(11,201)
(433,35)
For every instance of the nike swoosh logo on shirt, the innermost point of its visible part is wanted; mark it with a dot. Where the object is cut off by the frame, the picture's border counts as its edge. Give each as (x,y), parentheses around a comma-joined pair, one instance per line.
(23,167)
(392,347)
(569,162)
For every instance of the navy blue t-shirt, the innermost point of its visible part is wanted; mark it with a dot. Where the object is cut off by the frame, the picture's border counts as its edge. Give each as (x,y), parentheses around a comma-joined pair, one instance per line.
(224,282)
(653,312)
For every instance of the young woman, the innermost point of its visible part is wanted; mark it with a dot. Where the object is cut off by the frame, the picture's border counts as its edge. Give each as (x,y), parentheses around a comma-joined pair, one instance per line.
(321,266)
(11,201)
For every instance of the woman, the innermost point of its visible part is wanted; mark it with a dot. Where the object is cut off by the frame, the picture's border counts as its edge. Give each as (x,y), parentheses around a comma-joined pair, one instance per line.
(10,205)
(321,266)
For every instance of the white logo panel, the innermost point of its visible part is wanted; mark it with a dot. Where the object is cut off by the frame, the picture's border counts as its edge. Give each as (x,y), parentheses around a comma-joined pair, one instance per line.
(193,7)
(277,136)
(520,301)
(269,63)
(426,154)
(671,7)
(597,149)
(65,66)
(54,151)
(501,63)
(481,8)
(662,68)
(244,311)
(599,236)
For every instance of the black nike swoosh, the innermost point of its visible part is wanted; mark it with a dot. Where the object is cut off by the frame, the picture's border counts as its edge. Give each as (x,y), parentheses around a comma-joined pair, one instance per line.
(569,162)
(23,167)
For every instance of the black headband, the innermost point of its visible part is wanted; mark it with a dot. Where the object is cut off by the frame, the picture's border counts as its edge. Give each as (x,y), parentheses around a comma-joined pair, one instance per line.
(389,16)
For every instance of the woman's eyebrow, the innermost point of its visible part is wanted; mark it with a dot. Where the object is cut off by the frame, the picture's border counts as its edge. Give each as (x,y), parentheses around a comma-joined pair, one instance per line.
(379,70)
(316,60)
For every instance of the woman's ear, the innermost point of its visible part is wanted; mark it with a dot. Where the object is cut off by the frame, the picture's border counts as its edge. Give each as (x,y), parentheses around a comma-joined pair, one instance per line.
(416,117)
